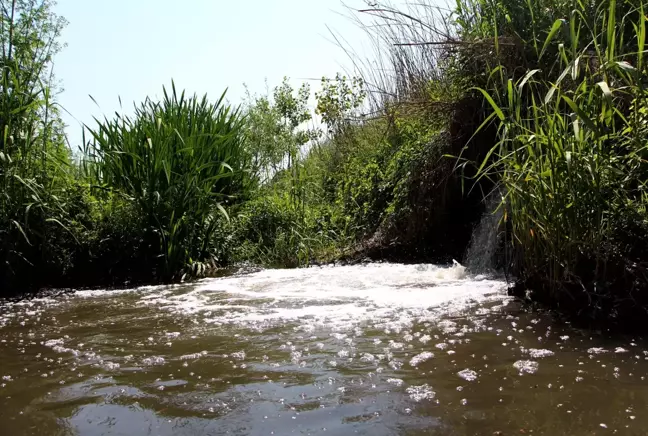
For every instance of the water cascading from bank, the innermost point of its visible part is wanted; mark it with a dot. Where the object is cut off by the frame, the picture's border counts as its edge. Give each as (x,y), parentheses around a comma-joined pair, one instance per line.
(481,255)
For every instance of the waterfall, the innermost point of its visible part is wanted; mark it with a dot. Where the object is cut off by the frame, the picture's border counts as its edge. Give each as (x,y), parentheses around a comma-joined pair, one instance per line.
(481,254)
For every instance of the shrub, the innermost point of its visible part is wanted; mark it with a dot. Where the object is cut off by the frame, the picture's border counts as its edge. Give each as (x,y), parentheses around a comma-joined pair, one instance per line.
(571,157)
(177,160)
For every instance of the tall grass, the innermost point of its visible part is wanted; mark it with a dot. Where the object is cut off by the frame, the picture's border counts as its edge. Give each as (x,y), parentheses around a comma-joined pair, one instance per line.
(33,158)
(179,160)
(571,156)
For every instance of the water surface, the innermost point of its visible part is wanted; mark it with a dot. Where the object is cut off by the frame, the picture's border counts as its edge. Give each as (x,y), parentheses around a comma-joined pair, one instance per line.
(380,349)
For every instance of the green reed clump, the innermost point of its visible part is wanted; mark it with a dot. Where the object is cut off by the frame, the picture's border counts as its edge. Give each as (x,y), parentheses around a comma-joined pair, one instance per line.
(571,156)
(37,232)
(179,160)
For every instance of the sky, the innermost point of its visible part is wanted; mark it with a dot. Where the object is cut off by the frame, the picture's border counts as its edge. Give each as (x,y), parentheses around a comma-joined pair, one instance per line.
(131,48)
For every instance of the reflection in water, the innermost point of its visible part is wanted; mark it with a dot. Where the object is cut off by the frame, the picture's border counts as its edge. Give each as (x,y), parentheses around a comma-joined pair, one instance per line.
(379,349)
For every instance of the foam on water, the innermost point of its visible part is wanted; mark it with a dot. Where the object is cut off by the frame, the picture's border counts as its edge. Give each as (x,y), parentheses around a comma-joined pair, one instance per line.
(328,295)
(351,347)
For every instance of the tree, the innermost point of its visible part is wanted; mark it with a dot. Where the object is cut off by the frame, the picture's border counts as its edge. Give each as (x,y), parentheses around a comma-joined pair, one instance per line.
(274,132)
(29,32)
(339,100)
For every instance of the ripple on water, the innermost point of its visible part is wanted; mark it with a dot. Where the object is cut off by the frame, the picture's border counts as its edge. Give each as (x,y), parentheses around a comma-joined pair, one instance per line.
(294,345)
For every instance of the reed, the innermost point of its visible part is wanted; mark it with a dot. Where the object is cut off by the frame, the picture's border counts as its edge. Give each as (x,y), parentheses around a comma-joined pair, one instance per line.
(180,160)
(571,154)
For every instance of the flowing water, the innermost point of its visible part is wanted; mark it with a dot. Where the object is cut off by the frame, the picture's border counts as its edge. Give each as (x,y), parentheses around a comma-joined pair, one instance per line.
(379,349)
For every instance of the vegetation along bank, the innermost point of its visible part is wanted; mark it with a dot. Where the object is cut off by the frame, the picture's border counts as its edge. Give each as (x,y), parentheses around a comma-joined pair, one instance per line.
(541,105)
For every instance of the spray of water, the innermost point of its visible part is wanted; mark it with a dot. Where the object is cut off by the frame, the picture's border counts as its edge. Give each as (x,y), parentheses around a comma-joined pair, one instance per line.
(480,256)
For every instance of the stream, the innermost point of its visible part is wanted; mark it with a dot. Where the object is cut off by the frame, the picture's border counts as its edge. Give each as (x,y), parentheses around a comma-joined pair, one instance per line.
(376,349)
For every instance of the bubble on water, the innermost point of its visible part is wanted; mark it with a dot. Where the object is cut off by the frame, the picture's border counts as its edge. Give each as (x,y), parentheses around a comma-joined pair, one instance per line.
(343,353)
(620,350)
(395,381)
(421,357)
(53,342)
(367,357)
(526,366)
(536,353)
(111,366)
(193,356)
(153,361)
(464,401)
(238,355)
(172,334)
(425,339)
(441,346)
(420,393)
(295,356)
(596,350)
(468,375)
(395,364)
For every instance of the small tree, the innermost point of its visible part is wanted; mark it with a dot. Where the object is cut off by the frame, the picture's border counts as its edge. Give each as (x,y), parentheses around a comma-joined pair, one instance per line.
(274,133)
(339,100)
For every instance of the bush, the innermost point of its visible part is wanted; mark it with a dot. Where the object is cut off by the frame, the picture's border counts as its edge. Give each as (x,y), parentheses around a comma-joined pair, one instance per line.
(571,157)
(177,160)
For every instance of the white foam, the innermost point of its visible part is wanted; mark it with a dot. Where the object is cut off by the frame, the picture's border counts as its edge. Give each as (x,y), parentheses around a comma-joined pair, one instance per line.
(526,366)
(535,353)
(597,350)
(422,357)
(341,296)
(468,375)
(153,361)
(420,393)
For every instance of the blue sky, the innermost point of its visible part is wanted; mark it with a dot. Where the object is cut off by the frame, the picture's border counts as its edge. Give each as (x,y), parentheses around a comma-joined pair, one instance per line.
(130,48)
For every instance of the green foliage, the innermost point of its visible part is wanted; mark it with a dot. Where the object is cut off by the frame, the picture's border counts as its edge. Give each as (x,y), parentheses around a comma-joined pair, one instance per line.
(274,131)
(571,157)
(271,231)
(338,100)
(547,99)
(177,160)
(34,165)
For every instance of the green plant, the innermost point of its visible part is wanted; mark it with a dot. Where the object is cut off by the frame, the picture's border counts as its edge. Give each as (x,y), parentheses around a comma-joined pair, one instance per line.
(571,158)
(178,160)
(34,163)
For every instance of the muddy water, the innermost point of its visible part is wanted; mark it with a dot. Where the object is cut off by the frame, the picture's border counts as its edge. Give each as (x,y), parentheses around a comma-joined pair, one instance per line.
(376,349)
